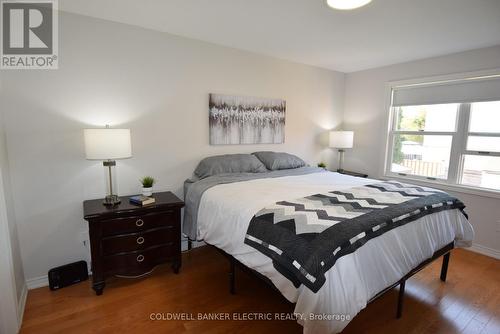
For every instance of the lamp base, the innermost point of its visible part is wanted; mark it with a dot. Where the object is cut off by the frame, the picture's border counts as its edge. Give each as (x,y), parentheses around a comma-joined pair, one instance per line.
(111,200)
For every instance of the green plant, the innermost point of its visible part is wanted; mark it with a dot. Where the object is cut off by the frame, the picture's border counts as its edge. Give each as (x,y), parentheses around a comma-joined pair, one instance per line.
(322,165)
(147,181)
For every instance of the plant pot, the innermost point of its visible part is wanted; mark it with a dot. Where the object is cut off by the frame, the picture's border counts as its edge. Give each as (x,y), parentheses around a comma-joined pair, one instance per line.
(147,191)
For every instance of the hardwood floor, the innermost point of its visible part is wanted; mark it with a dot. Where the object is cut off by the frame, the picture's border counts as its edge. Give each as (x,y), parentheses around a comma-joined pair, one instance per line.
(469,302)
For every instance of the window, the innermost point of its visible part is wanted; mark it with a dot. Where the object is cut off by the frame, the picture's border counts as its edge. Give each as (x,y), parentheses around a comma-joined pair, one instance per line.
(448,137)
(481,158)
(422,139)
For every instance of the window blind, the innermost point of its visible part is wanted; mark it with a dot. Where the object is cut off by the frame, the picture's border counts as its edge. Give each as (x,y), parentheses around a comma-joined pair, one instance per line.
(456,91)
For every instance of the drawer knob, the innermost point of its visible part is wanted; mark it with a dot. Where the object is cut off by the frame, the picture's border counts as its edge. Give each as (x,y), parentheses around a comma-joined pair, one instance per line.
(139,222)
(140,258)
(140,240)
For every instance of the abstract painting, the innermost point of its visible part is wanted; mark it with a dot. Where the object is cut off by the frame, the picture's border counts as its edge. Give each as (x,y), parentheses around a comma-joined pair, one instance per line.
(246,120)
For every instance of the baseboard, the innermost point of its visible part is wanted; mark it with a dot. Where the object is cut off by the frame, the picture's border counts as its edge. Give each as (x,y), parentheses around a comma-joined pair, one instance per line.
(37,282)
(42,281)
(21,305)
(485,251)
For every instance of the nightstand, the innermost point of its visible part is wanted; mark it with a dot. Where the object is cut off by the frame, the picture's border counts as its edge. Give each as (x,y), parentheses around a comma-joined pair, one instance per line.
(129,240)
(346,172)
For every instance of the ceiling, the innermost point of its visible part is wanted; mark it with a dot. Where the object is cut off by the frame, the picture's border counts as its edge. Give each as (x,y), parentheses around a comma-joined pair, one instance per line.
(308,31)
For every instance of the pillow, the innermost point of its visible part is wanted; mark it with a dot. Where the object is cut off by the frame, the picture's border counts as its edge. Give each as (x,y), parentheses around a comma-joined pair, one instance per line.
(229,163)
(279,160)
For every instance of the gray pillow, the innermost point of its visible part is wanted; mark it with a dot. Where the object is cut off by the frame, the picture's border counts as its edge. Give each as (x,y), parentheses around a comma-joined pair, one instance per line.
(279,160)
(229,163)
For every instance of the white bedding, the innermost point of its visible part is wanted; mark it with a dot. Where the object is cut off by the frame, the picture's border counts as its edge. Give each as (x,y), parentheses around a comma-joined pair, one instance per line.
(226,210)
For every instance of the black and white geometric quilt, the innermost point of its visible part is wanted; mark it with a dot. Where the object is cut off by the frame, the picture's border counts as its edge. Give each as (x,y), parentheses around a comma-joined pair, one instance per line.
(306,236)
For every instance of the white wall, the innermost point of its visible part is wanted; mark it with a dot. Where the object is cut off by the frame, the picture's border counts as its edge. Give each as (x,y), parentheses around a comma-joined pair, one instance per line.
(12,283)
(155,84)
(10,215)
(365,113)
(8,299)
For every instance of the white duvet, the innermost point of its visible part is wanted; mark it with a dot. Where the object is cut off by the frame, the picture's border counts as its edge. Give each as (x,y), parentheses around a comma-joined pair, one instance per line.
(226,210)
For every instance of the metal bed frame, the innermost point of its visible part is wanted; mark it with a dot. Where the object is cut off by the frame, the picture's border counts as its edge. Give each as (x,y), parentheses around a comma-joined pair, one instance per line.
(445,252)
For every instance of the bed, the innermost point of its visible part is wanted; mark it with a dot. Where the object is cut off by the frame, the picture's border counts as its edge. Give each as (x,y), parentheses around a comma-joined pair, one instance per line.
(222,209)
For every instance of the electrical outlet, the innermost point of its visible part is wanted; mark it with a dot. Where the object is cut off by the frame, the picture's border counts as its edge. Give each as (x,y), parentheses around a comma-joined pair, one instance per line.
(85,242)
(84,239)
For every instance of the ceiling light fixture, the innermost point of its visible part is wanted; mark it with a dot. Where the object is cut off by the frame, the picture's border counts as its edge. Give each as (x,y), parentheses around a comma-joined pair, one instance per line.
(347,4)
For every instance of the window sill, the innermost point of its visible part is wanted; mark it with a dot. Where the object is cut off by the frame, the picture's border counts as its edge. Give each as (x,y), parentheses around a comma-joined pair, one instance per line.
(445,186)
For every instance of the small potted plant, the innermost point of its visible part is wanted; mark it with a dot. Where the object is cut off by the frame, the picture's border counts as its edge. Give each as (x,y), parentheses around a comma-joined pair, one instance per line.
(322,165)
(147,185)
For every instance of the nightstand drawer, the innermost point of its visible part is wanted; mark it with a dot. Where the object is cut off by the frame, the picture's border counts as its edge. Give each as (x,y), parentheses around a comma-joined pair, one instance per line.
(137,241)
(139,262)
(138,223)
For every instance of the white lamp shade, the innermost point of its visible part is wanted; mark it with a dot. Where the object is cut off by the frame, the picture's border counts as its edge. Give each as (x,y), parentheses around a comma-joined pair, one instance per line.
(341,139)
(107,144)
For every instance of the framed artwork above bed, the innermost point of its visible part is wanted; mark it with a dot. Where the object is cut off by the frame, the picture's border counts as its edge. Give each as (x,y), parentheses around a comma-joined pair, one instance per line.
(246,120)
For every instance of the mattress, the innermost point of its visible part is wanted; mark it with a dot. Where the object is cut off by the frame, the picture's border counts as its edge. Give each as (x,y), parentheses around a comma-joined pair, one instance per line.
(225,211)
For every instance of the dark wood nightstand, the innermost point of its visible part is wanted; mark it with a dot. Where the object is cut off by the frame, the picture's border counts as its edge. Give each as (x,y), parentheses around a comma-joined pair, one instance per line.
(346,172)
(130,240)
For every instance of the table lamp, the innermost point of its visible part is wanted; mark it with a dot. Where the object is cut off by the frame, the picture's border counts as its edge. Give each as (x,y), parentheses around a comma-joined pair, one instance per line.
(108,145)
(341,140)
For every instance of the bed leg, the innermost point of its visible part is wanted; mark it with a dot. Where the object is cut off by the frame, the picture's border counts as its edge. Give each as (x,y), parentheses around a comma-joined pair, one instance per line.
(444,267)
(231,276)
(401,296)
(190,245)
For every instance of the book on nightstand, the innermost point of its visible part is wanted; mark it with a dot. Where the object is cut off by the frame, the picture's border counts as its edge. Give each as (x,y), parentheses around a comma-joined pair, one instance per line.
(141,200)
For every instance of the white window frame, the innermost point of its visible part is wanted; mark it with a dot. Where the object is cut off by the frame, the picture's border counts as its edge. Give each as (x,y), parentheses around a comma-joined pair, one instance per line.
(459,137)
